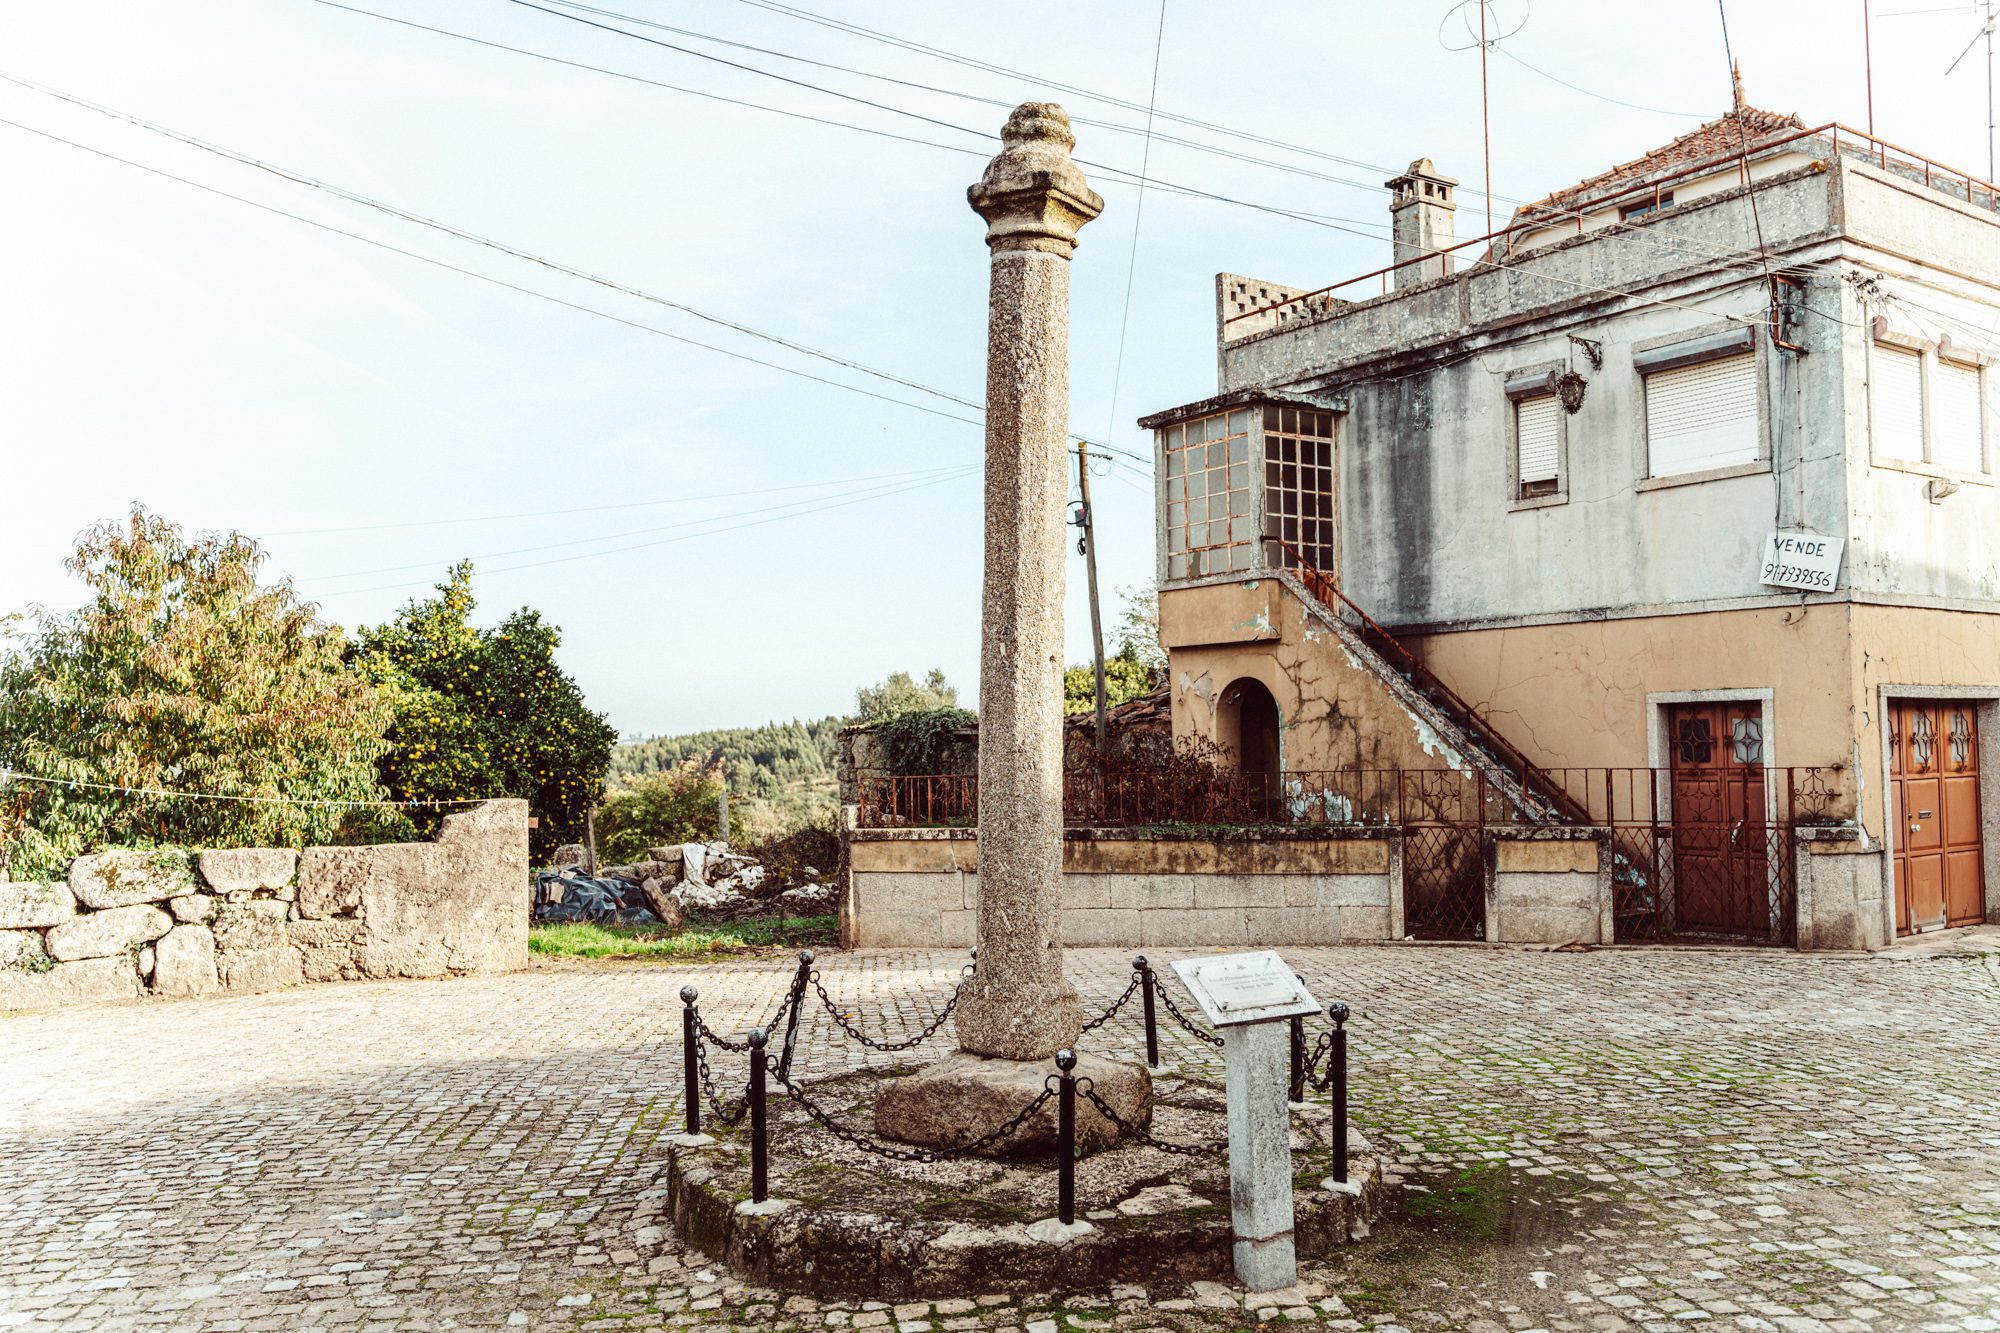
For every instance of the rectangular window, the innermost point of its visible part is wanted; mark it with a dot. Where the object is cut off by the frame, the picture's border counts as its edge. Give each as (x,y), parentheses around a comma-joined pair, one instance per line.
(1702,416)
(1208,495)
(1896,397)
(1537,435)
(1957,438)
(1300,489)
(1653,205)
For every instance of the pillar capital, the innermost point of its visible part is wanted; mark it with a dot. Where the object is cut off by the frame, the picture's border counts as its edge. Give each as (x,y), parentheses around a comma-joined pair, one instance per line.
(1033,196)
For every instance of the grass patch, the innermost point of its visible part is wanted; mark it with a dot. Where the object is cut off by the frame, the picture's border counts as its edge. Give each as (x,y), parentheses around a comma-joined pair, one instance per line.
(578,939)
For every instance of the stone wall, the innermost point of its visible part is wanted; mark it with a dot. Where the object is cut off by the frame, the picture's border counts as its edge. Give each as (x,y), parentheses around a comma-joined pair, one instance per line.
(1548,886)
(920,888)
(174,923)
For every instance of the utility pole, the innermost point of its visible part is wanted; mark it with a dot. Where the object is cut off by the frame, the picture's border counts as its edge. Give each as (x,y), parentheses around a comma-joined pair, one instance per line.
(590,839)
(1087,546)
(1868,64)
(721,807)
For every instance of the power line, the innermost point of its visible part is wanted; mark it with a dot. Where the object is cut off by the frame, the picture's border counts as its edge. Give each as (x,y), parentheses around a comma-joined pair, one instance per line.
(1577,88)
(808,505)
(599,508)
(475,238)
(1351,226)
(1138,216)
(664,541)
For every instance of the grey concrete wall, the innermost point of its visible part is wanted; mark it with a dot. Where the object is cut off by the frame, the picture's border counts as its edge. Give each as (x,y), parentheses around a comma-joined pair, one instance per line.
(1839,885)
(167,923)
(924,893)
(1431,533)
(1547,887)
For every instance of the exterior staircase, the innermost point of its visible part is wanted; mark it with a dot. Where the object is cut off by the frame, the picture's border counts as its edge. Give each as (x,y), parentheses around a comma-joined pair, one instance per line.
(1527,792)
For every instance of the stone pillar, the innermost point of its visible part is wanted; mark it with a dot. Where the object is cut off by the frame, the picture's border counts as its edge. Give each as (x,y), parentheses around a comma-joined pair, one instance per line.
(1018,1006)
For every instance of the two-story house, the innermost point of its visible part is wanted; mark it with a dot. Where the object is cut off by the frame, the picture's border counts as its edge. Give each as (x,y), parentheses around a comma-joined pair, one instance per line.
(1669,507)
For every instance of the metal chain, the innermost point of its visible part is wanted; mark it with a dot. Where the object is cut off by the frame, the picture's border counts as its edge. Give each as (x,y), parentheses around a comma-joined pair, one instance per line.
(1203,1033)
(1085,1088)
(1117,1004)
(731,1114)
(1322,1049)
(873,1044)
(740,1047)
(862,1141)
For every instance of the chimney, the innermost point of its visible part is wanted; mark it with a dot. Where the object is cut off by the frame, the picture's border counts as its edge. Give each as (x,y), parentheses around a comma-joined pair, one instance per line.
(1421,203)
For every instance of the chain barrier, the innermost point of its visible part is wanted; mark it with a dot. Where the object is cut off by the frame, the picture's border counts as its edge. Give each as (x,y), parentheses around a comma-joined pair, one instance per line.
(943,1015)
(1133,1132)
(1130,990)
(1174,1010)
(1314,1079)
(730,1113)
(856,1138)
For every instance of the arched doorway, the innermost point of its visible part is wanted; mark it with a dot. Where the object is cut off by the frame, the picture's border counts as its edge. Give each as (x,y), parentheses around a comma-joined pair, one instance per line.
(1246,722)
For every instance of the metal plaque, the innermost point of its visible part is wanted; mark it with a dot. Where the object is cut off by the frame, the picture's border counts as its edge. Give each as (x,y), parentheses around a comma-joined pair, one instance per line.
(1238,988)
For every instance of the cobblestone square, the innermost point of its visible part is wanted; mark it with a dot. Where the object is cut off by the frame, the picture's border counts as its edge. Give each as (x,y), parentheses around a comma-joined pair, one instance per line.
(1610,1140)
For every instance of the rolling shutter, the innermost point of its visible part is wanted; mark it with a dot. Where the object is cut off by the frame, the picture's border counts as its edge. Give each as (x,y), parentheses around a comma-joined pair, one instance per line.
(1535,428)
(1896,396)
(1956,439)
(1702,416)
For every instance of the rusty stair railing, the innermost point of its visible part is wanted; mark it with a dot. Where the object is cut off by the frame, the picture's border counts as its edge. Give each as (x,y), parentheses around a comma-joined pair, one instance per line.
(1534,782)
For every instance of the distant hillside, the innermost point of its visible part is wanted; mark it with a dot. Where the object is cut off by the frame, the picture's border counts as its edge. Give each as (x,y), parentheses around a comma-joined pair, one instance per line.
(786,769)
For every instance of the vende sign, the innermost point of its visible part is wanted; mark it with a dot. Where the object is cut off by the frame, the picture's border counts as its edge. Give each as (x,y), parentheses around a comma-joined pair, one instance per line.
(1802,560)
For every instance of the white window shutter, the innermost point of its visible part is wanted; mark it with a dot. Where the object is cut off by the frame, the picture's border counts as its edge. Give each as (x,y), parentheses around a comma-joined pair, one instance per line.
(1957,438)
(1702,416)
(1536,430)
(1896,397)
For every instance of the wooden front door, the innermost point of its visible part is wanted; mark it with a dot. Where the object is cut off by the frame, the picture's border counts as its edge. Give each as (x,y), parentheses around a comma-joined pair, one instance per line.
(1721,868)
(1934,803)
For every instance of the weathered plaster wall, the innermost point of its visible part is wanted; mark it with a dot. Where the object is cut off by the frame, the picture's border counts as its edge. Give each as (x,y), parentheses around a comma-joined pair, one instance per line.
(1332,711)
(179,924)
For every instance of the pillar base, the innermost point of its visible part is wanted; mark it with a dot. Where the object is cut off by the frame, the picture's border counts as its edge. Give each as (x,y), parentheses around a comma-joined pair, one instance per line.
(965,1096)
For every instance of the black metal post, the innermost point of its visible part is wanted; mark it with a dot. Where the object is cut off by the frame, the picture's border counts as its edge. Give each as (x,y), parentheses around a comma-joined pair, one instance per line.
(1066,1136)
(1337,1079)
(1145,971)
(797,1003)
(691,1059)
(760,1184)
(1298,1089)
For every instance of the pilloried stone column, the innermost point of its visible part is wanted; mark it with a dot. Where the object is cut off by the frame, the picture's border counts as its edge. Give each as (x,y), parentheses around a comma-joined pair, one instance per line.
(1017,1010)
(1018,1006)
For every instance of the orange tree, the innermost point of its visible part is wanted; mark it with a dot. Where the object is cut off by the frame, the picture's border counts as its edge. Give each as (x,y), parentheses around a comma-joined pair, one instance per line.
(484,712)
(183,703)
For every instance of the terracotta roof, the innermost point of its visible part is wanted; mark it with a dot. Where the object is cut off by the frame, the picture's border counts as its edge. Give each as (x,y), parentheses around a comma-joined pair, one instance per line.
(1729,133)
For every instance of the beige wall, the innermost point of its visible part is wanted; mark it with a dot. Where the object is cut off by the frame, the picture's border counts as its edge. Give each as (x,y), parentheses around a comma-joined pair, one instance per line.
(1332,713)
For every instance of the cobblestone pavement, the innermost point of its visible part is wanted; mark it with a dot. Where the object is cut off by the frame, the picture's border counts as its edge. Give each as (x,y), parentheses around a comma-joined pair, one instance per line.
(1598,1141)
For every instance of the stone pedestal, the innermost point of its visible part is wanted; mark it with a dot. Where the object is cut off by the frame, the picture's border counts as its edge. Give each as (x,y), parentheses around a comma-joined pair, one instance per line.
(965,1096)
(1257,1057)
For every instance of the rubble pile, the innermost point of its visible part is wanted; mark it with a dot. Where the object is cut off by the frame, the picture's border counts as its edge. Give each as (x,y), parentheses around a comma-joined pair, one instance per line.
(703,877)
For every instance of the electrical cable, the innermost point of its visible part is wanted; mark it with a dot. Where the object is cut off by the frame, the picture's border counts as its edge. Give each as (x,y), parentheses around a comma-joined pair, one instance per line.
(598,508)
(664,541)
(514,287)
(809,505)
(1576,88)
(1138,216)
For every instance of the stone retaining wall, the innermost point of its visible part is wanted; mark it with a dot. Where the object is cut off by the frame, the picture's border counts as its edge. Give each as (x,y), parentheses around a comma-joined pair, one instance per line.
(173,923)
(920,888)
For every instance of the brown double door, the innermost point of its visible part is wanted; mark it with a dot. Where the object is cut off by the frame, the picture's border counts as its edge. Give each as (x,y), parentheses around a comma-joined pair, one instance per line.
(1721,842)
(1934,803)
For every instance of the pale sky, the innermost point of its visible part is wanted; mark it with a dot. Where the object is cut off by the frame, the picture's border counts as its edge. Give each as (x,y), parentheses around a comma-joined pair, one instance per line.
(231,368)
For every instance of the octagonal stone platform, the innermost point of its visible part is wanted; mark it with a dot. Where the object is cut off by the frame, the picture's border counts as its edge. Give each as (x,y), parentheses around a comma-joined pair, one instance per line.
(844,1224)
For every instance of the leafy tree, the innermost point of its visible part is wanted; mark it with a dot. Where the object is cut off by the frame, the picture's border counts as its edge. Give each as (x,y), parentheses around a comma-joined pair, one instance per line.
(780,775)
(181,673)
(1125,677)
(660,809)
(900,694)
(1139,629)
(482,713)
